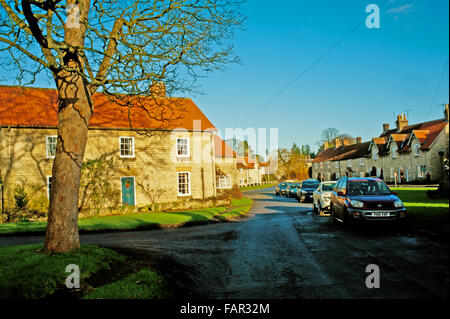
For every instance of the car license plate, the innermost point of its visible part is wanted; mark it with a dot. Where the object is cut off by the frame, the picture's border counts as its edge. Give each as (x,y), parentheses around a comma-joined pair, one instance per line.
(380,214)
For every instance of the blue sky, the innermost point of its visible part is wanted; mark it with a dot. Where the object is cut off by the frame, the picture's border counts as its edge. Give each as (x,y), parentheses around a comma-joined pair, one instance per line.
(368,77)
(359,85)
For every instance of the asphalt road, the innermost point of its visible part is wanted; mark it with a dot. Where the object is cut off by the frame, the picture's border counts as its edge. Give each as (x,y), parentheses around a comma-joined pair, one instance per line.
(283,250)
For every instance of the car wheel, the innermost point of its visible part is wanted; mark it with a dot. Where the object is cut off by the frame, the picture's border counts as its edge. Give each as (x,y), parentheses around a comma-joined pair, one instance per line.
(314,208)
(320,208)
(347,220)
(334,221)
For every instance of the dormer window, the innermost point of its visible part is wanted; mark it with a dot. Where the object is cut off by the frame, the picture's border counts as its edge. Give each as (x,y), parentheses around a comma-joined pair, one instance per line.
(394,151)
(416,148)
(375,154)
(182,147)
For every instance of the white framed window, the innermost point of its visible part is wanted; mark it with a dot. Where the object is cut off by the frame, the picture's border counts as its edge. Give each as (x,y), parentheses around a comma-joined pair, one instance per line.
(126,146)
(336,164)
(421,170)
(338,176)
(328,164)
(394,151)
(241,182)
(182,147)
(362,174)
(361,162)
(184,183)
(391,172)
(349,163)
(241,171)
(50,141)
(378,172)
(224,181)
(375,154)
(49,185)
(416,148)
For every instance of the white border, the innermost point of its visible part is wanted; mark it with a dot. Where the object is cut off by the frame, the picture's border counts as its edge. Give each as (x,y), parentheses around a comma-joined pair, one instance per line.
(178,184)
(126,156)
(121,195)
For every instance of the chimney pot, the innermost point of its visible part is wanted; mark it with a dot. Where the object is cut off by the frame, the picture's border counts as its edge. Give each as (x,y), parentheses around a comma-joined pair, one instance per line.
(385,127)
(326,145)
(358,140)
(337,142)
(446,112)
(401,122)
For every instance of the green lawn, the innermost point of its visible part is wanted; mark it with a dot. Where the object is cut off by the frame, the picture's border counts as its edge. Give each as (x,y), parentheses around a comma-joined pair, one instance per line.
(135,221)
(422,211)
(250,188)
(27,272)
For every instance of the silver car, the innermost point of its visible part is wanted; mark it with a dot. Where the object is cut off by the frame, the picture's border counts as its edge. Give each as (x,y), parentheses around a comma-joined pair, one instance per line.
(322,197)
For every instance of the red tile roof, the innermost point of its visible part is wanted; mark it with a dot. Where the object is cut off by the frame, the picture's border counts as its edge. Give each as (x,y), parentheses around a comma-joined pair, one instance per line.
(37,107)
(223,149)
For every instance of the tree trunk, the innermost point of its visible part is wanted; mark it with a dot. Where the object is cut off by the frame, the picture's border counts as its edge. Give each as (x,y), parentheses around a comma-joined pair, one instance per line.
(74,112)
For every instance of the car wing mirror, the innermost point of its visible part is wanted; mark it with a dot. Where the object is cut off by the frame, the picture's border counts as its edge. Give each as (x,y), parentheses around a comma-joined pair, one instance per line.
(341,193)
(394,193)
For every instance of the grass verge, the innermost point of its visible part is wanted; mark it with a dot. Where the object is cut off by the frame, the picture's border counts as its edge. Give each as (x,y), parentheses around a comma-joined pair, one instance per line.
(138,221)
(250,188)
(424,213)
(239,207)
(27,272)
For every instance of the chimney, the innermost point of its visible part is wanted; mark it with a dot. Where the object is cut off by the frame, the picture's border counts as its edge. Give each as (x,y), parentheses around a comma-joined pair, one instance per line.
(385,127)
(337,142)
(346,141)
(326,145)
(401,122)
(446,112)
(158,89)
(358,140)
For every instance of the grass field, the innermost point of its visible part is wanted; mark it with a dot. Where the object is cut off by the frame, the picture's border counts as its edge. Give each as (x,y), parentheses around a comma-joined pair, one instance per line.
(422,211)
(139,221)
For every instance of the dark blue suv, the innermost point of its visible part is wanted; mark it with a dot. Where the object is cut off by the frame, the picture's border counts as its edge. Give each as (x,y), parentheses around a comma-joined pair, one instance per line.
(365,199)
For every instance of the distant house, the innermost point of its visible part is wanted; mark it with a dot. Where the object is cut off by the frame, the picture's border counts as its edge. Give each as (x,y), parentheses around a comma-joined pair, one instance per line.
(174,156)
(227,173)
(251,171)
(406,153)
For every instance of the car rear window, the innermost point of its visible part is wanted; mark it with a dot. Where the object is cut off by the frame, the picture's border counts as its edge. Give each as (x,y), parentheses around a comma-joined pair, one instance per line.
(283,185)
(310,185)
(328,187)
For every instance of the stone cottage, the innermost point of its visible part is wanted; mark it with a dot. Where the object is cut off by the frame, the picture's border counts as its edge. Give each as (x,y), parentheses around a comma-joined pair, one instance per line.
(405,153)
(153,145)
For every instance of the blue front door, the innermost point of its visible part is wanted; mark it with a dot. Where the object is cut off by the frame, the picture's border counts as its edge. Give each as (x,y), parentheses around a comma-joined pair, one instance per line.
(128,191)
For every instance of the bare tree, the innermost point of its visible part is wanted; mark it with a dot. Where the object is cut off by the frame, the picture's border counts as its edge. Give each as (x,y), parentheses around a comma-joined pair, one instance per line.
(119,47)
(153,193)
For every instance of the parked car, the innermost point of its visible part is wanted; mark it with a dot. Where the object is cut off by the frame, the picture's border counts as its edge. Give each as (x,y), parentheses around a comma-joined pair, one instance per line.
(322,196)
(306,190)
(291,189)
(365,199)
(280,189)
